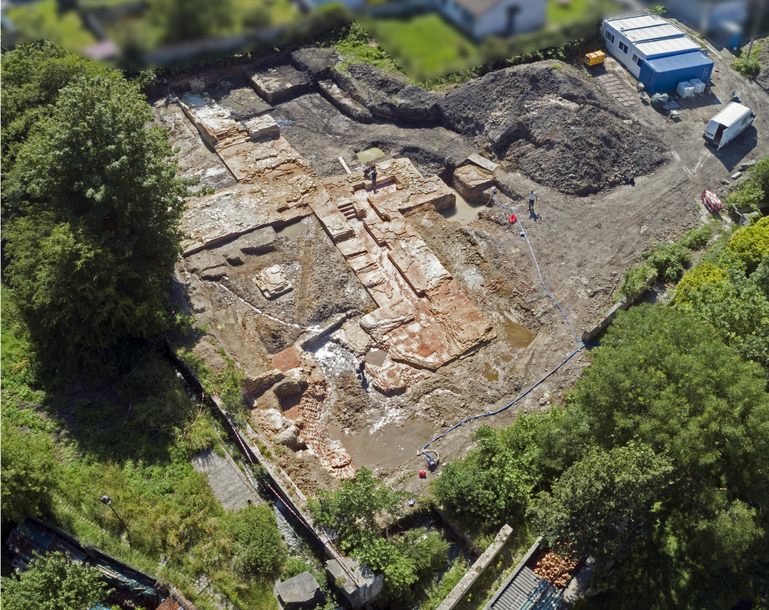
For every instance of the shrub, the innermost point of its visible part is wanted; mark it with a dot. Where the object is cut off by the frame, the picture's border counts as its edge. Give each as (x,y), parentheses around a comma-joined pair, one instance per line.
(668,260)
(260,549)
(751,244)
(637,280)
(749,68)
(496,480)
(695,239)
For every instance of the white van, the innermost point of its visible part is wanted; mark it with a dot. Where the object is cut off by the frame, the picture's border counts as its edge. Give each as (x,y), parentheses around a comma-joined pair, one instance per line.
(728,124)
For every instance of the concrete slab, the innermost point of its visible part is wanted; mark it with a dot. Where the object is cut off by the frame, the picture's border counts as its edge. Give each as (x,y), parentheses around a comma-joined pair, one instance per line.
(228,483)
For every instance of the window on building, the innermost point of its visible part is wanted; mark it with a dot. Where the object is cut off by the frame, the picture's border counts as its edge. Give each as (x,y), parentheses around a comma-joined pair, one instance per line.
(609,36)
(635,58)
(623,47)
(639,61)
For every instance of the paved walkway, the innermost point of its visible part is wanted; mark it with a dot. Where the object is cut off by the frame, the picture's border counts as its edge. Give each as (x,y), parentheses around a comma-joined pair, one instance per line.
(228,483)
(614,87)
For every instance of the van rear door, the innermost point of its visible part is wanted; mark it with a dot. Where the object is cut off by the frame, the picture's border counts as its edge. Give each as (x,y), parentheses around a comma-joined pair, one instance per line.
(711,129)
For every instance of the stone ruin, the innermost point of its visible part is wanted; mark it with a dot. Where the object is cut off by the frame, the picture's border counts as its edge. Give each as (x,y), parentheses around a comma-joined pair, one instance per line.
(422,318)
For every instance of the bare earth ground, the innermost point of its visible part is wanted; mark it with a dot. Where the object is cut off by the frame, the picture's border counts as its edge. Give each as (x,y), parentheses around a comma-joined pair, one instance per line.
(640,174)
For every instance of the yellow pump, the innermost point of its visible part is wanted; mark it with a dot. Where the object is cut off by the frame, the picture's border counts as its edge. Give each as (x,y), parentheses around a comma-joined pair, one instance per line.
(593,59)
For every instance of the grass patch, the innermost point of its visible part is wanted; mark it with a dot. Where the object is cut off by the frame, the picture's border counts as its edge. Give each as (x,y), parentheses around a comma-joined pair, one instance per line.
(441,586)
(425,45)
(42,20)
(130,438)
(750,67)
(560,14)
(355,45)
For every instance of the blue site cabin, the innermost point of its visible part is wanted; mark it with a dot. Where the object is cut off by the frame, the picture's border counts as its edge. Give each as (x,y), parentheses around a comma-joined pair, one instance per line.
(664,74)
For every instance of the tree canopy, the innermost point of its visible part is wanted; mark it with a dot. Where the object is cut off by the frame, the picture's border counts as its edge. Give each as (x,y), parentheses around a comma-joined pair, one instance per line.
(54,582)
(664,380)
(95,202)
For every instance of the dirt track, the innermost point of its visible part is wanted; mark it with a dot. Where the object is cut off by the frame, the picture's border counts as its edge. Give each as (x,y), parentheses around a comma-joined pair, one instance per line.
(557,126)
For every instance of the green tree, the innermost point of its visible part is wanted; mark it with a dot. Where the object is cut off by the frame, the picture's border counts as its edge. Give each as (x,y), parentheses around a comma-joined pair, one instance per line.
(352,514)
(33,75)
(736,305)
(603,501)
(259,546)
(54,582)
(28,472)
(190,19)
(91,256)
(665,379)
(496,480)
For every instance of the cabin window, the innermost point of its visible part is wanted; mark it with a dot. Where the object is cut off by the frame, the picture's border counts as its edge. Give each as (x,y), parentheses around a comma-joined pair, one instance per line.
(745,120)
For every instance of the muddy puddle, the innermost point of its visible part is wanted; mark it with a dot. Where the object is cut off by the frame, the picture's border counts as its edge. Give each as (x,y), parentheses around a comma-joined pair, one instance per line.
(387,441)
(515,336)
(292,230)
(463,212)
(387,446)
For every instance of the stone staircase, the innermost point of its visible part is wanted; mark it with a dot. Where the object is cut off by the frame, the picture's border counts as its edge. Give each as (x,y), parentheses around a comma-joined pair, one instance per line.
(347,208)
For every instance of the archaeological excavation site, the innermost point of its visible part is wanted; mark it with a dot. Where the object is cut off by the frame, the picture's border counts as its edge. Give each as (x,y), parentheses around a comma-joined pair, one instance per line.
(370,313)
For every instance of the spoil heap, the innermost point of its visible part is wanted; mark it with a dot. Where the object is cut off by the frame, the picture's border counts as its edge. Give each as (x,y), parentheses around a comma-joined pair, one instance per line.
(553,125)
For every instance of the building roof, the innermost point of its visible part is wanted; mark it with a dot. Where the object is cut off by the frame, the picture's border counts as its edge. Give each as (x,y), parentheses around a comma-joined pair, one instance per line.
(477,7)
(655,32)
(623,23)
(671,45)
(731,113)
(677,62)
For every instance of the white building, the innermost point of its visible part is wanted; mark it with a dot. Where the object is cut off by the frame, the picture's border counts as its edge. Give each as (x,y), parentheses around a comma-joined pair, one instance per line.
(631,39)
(480,18)
(476,18)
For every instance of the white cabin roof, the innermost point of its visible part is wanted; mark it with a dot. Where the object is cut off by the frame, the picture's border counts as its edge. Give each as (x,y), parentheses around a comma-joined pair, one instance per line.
(671,45)
(730,114)
(637,21)
(656,32)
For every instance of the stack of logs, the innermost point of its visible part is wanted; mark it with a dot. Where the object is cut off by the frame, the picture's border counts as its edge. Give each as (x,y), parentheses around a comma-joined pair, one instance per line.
(555,569)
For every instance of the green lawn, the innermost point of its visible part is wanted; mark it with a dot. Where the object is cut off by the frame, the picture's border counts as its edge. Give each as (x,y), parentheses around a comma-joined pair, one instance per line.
(42,20)
(558,13)
(425,46)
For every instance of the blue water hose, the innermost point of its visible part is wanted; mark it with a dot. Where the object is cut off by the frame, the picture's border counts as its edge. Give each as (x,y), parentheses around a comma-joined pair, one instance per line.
(582,346)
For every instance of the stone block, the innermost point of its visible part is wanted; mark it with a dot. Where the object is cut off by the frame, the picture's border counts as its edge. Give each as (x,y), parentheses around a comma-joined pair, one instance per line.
(419,266)
(272,282)
(278,82)
(256,242)
(215,273)
(489,166)
(344,103)
(205,259)
(262,127)
(301,592)
(471,180)
(256,385)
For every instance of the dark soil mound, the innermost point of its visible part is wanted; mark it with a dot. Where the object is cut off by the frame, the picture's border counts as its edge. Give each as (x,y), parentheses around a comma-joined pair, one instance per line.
(553,125)
(388,96)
